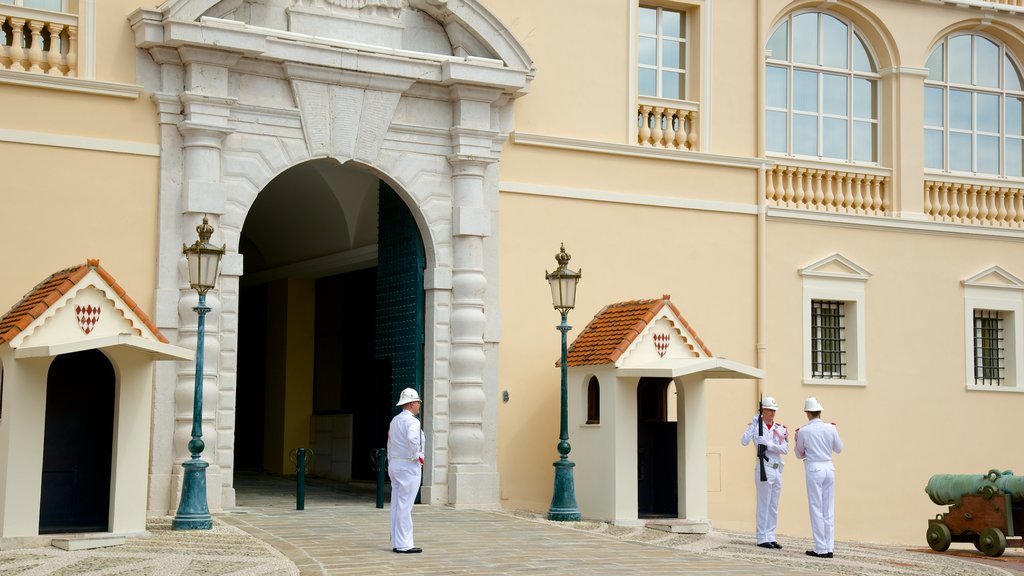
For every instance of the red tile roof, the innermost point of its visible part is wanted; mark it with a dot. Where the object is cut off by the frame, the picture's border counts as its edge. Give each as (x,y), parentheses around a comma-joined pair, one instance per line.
(615,327)
(39,299)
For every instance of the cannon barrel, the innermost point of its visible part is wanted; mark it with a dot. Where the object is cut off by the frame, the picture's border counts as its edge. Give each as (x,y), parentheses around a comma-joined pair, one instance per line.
(948,489)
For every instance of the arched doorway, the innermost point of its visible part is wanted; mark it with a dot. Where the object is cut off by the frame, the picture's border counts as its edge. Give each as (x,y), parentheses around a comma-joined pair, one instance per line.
(657,472)
(330,319)
(77,444)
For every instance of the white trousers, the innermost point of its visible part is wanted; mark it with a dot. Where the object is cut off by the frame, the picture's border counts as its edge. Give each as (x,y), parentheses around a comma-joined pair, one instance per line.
(768,493)
(821,480)
(405,483)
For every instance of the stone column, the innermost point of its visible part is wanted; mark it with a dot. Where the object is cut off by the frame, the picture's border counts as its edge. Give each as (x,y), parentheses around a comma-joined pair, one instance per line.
(472,480)
(206,107)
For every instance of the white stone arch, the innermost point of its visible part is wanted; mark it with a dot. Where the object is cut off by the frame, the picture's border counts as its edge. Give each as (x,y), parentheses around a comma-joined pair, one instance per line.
(238,105)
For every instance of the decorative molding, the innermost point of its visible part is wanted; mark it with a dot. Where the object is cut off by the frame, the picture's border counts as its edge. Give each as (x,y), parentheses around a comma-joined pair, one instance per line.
(854,272)
(79,142)
(625,198)
(878,222)
(70,84)
(636,151)
(1011,281)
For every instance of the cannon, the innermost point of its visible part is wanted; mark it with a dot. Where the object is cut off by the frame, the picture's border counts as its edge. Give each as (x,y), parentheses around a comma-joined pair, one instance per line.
(984,509)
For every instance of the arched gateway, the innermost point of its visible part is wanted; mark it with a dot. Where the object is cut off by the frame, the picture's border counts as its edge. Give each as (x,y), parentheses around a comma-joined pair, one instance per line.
(416,93)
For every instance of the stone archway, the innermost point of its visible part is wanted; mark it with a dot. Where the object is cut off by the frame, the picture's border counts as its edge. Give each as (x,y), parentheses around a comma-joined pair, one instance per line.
(239,103)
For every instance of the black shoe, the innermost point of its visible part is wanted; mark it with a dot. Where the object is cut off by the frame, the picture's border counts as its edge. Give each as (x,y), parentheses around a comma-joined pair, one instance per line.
(776,545)
(828,555)
(766,545)
(412,550)
(816,555)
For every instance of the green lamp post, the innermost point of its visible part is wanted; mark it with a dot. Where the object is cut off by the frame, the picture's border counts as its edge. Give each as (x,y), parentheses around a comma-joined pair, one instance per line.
(563,297)
(203,267)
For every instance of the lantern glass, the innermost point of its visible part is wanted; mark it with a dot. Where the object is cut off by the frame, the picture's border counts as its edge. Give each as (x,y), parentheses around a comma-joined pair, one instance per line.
(563,289)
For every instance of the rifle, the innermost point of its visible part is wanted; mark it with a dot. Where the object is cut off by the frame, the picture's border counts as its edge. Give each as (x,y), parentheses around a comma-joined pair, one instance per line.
(761,448)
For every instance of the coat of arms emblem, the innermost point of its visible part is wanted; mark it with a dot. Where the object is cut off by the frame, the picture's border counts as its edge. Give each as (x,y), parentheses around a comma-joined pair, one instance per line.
(87,316)
(661,344)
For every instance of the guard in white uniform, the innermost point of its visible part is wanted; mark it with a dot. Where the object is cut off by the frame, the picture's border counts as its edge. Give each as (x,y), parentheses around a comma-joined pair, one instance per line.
(405,467)
(815,444)
(775,438)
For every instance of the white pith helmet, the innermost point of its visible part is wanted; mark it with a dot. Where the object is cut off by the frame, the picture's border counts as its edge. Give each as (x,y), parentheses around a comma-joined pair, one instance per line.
(812,405)
(408,395)
(769,403)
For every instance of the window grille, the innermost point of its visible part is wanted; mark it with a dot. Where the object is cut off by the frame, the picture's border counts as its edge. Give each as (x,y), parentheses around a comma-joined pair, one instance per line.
(828,339)
(989,348)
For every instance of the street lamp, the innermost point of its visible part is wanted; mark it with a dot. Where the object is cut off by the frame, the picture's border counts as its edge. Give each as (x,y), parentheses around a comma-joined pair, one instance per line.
(563,297)
(203,266)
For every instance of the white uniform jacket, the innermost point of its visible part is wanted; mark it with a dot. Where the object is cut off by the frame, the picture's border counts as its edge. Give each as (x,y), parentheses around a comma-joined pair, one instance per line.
(775,438)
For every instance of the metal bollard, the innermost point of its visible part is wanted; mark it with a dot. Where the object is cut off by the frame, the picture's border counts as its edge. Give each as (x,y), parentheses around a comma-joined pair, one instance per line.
(300,478)
(380,460)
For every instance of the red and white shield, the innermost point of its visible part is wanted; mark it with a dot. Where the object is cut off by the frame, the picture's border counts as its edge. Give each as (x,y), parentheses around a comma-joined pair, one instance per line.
(661,344)
(88,316)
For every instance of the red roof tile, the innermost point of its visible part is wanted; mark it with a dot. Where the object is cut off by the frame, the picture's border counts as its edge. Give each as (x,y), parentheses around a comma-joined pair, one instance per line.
(46,293)
(614,329)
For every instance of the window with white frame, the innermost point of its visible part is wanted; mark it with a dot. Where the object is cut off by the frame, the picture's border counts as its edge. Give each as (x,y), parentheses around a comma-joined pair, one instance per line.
(974,107)
(833,322)
(993,323)
(51,5)
(661,53)
(821,90)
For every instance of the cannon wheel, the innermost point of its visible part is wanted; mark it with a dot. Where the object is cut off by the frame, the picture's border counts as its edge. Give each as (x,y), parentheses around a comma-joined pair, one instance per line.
(992,542)
(939,537)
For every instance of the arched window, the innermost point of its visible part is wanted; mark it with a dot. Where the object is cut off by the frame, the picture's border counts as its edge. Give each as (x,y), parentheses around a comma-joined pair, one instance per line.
(593,401)
(821,92)
(973,102)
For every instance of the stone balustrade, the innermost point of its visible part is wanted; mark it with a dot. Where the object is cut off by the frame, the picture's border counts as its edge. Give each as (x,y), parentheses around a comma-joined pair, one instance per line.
(38,41)
(974,203)
(828,190)
(667,123)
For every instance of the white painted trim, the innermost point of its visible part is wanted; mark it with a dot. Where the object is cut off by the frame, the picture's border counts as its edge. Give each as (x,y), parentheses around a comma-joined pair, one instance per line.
(984,5)
(705,72)
(851,292)
(636,151)
(856,272)
(818,164)
(933,175)
(87,39)
(1014,282)
(79,142)
(834,382)
(70,84)
(1009,301)
(977,388)
(158,350)
(625,198)
(884,222)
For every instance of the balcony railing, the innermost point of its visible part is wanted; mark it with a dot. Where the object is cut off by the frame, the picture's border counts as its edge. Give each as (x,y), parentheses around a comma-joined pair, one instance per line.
(974,203)
(38,41)
(828,190)
(667,123)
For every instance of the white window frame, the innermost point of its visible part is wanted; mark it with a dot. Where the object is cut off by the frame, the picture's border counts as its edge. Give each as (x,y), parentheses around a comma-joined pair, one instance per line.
(983,292)
(659,66)
(791,67)
(836,278)
(1001,92)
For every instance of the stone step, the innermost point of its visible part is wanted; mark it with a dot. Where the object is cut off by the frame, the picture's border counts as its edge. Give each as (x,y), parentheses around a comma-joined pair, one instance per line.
(87,543)
(680,525)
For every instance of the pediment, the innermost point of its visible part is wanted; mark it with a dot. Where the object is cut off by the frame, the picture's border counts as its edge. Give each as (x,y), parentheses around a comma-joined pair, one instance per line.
(995,277)
(835,266)
(666,338)
(77,305)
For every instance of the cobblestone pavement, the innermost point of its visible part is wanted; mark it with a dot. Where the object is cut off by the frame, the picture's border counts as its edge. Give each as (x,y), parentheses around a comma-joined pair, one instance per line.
(341,532)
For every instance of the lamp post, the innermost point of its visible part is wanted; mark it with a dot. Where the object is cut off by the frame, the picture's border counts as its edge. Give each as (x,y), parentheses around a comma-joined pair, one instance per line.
(563,297)
(203,266)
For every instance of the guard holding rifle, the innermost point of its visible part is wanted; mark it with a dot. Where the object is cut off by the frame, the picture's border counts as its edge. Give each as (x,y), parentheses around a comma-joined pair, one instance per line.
(772,440)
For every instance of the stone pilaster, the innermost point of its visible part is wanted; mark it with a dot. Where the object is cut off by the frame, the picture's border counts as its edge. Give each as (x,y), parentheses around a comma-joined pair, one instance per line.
(206,108)
(472,480)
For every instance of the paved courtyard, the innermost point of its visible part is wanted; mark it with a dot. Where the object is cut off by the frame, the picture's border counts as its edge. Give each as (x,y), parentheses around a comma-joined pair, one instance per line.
(341,532)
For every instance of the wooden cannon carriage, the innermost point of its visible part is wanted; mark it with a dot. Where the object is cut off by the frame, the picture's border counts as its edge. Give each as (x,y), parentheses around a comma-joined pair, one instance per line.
(984,510)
